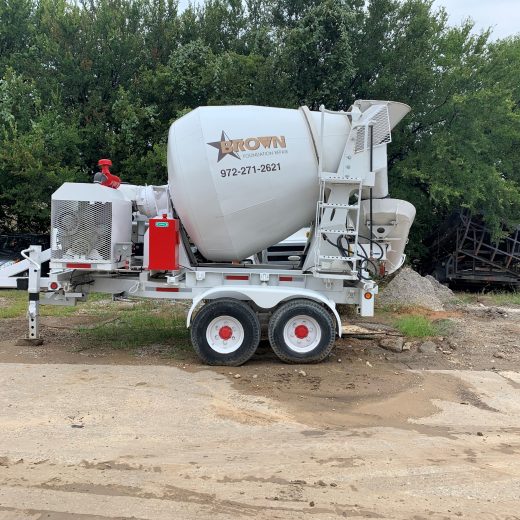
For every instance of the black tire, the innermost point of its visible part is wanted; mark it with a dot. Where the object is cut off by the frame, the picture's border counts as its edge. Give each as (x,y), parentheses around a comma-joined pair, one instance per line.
(237,310)
(317,316)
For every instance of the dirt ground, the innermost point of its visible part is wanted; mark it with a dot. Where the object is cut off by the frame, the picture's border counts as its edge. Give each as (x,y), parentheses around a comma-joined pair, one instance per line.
(89,432)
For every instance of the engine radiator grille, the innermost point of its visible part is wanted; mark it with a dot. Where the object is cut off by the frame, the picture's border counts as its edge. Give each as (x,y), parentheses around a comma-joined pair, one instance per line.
(81,230)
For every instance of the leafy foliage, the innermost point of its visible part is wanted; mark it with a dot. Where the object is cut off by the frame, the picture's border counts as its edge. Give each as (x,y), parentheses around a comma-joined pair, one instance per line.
(83,80)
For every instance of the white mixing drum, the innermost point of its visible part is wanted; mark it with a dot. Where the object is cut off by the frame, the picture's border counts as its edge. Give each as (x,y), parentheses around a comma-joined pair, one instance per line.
(245,177)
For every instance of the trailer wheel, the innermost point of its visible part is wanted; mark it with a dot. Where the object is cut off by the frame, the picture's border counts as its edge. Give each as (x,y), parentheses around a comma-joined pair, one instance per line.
(302,331)
(225,332)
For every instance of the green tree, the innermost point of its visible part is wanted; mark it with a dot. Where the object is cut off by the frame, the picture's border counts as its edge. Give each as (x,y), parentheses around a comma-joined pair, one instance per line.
(316,55)
(96,78)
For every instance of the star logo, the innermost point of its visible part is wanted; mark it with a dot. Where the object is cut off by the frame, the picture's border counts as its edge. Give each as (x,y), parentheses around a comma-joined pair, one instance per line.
(221,147)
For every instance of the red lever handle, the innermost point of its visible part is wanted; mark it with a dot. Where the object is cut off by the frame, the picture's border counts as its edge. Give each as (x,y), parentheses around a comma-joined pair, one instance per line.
(110,180)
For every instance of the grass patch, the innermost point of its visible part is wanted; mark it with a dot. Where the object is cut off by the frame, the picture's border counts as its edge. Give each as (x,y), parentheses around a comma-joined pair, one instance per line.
(504,298)
(467,298)
(138,323)
(145,323)
(443,327)
(490,298)
(414,326)
(14,305)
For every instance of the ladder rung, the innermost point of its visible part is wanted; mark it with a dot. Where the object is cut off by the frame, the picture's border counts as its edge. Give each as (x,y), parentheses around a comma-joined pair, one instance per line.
(335,179)
(338,206)
(344,258)
(338,232)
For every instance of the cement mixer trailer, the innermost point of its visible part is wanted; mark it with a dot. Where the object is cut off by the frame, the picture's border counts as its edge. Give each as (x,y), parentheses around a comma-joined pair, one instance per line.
(240,179)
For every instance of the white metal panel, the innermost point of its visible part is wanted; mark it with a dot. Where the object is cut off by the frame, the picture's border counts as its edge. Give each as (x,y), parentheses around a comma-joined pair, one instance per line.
(393,217)
(396,110)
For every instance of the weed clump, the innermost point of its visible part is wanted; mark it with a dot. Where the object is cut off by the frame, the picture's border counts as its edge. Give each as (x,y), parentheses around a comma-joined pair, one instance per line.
(415,326)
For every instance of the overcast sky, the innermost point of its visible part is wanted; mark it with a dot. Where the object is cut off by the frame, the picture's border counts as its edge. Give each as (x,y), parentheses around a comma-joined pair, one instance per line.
(503,16)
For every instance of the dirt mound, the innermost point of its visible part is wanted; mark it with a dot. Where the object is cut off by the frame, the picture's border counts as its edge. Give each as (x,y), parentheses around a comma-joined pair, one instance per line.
(411,289)
(444,293)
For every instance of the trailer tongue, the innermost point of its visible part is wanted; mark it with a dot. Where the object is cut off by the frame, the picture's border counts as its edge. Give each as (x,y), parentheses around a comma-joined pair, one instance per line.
(241,179)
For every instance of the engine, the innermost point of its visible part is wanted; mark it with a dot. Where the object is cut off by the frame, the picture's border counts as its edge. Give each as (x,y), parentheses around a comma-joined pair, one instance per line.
(91,227)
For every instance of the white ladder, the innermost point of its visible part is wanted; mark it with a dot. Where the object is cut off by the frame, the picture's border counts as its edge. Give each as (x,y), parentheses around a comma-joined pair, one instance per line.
(338,212)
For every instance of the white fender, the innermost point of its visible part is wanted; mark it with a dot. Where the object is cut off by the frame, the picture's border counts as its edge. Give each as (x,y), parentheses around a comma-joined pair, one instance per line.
(266,298)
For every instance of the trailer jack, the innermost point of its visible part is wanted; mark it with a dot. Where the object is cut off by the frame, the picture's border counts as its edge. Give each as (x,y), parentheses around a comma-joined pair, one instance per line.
(33,255)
